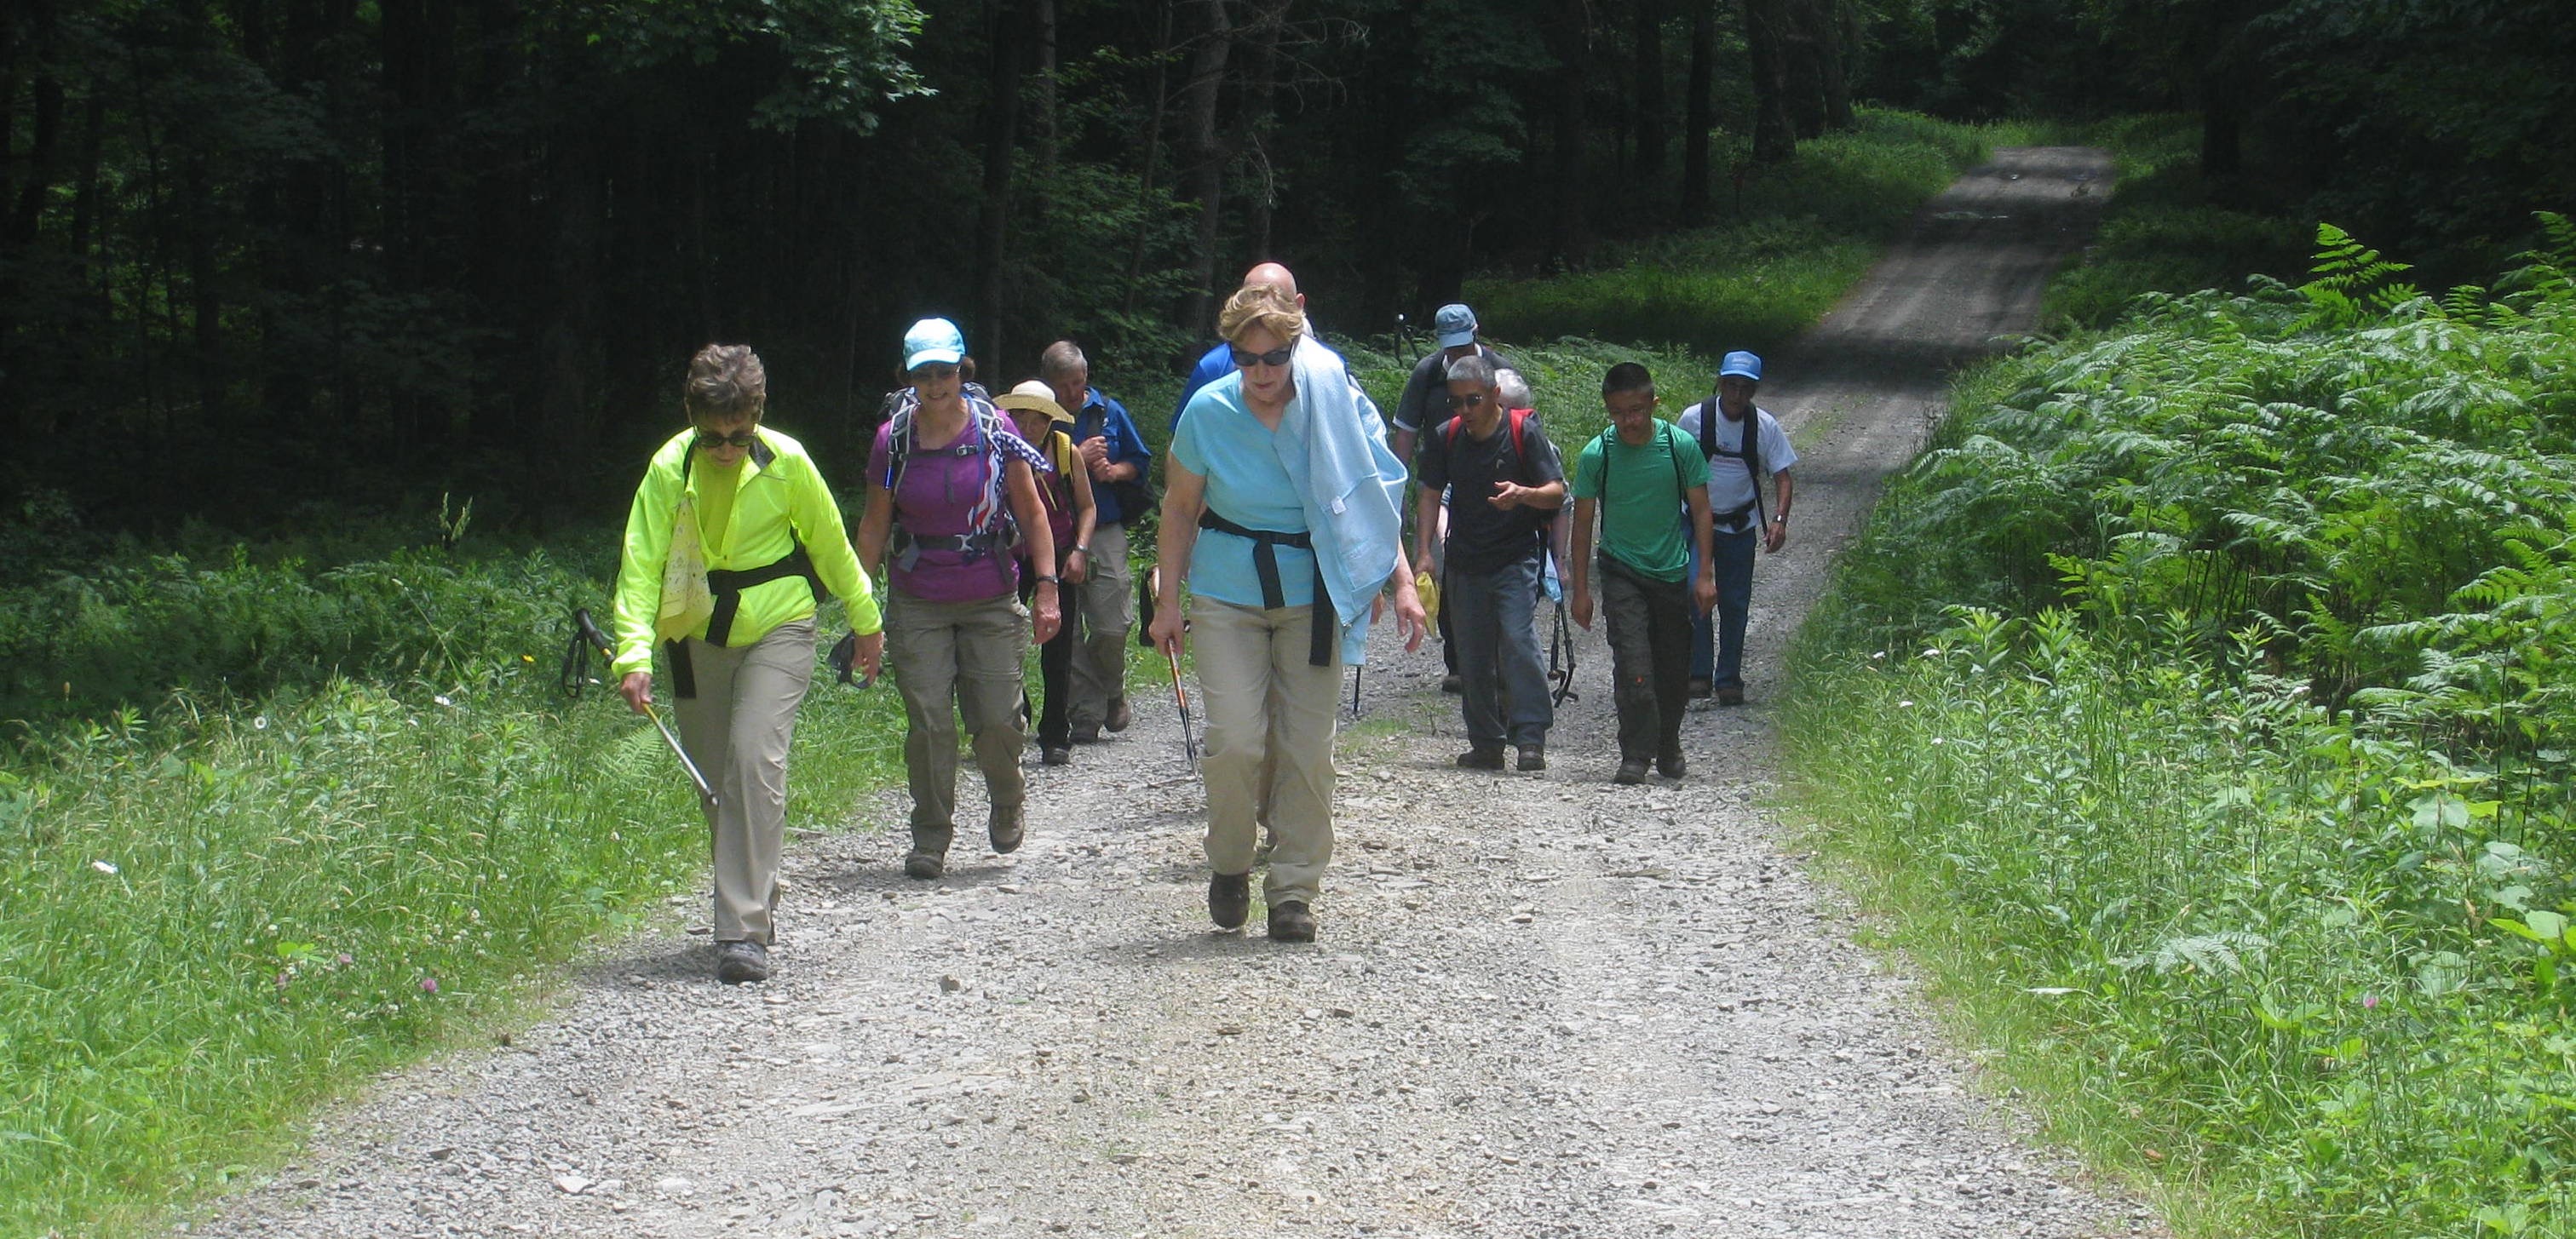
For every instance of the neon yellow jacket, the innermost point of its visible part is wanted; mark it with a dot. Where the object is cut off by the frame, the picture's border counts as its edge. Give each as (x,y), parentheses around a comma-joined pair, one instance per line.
(779,500)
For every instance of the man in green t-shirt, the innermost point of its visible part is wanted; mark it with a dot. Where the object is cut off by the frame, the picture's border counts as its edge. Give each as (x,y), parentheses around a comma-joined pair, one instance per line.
(1640,475)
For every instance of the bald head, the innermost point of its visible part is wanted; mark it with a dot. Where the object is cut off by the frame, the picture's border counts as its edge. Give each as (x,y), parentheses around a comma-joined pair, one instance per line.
(1273,275)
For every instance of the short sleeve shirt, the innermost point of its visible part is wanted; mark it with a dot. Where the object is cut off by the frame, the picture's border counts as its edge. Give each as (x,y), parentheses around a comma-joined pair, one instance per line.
(1645,522)
(1730,484)
(938,496)
(1425,401)
(1247,483)
(1482,537)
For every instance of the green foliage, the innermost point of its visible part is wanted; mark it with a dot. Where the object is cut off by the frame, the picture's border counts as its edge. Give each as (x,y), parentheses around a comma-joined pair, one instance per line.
(2200,699)
(211,920)
(1805,231)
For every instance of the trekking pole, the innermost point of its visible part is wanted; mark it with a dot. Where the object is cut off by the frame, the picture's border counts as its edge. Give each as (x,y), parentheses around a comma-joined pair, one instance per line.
(1355,690)
(1189,738)
(587,632)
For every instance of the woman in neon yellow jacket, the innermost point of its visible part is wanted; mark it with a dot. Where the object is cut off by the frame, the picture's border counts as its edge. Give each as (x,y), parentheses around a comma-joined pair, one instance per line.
(732,542)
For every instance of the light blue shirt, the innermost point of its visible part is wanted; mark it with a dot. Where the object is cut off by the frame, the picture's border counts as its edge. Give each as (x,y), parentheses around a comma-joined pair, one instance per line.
(1248,483)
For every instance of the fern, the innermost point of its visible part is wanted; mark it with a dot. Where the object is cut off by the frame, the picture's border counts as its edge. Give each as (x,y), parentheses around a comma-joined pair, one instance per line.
(2219,954)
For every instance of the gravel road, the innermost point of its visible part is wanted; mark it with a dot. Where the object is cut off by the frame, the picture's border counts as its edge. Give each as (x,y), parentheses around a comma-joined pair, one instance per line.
(1539,1005)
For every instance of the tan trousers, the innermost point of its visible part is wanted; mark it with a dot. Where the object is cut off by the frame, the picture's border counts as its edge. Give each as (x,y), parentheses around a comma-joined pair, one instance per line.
(1269,744)
(951,658)
(1108,615)
(737,729)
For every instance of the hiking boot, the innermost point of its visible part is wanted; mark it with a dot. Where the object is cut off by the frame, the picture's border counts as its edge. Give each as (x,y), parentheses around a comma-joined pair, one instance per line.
(1533,757)
(1086,733)
(1291,922)
(1119,715)
(1698,687)
(924,865)
(1631,772)
(741,961)
(1671,765)
(1229,899)
(1007,827)
(1481,758)
(1055,754)
(1731,695)
(1453,683)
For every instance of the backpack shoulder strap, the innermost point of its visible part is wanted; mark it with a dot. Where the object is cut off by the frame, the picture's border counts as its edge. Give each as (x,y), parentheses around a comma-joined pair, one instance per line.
(1708,427)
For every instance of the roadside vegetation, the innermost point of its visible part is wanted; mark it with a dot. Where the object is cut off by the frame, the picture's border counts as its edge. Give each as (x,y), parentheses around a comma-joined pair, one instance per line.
(1792,238)
(2198,711)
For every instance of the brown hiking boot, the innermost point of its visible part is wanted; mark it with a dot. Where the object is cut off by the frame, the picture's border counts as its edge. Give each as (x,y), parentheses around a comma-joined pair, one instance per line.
(1119,715)
(1229,899)
(1631,772)
(1291,922)
(1731,695)
(1481,758)
(741,961)
(1533,757)
(1007,827)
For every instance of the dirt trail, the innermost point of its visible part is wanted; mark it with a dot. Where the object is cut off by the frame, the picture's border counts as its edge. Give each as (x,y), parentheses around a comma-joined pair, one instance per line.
(1539,1005)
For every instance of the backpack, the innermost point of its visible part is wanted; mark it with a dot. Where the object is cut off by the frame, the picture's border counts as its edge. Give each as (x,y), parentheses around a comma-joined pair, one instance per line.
(1664,431)
(1751,455)
(989,516)
(1519,421)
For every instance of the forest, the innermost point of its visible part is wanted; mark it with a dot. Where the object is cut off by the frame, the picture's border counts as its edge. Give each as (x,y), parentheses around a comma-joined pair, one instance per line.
(282,257)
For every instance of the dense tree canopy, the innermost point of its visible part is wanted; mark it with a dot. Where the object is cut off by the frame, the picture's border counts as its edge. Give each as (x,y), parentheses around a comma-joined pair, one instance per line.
(253,251)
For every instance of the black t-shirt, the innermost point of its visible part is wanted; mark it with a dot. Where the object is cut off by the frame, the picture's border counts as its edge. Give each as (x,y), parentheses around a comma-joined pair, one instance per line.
(1482,537)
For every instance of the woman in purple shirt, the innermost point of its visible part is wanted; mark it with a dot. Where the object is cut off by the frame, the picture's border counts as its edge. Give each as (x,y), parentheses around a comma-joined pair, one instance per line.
(946,479)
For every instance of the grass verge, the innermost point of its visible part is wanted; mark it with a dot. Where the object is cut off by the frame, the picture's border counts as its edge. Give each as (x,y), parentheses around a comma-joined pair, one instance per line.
(2194,710)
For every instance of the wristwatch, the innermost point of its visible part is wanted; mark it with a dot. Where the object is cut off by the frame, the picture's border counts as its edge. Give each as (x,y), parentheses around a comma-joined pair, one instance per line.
(1048,579)
(1079,549)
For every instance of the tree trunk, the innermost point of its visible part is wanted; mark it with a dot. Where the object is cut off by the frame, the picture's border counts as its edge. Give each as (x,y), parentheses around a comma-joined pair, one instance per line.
(993,213)
(1824,21)
(1207,162)
(1651,132)
(1695,113)
(1569,37)
(1153,161)
(1042,29)
(1804,55)
(1254,125)
(205,289)
(568,342)
(1775,139)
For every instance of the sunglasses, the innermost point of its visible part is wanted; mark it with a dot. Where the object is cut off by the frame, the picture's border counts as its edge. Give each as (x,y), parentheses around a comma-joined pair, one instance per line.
(1476,401)
(742,439)
(933,374)
(1275,357)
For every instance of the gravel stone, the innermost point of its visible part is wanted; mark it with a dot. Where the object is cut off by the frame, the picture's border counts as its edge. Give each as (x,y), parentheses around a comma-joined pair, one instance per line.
(1539,1005)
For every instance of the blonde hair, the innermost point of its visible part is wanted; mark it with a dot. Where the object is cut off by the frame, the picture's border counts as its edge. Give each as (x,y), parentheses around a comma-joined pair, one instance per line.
(1260,305)
(726,383)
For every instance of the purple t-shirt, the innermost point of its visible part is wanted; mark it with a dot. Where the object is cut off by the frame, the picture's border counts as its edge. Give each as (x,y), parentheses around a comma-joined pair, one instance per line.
(943,493)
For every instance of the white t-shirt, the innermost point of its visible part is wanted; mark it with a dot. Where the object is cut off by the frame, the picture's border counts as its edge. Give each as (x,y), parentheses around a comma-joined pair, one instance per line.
(1730,485)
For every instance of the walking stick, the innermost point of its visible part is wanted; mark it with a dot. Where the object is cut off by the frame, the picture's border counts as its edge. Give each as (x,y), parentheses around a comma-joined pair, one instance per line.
(1189,738)
(584,632)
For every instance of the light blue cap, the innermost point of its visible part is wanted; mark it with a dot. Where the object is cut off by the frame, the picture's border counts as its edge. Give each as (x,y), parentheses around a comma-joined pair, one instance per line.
(1741,365)
(1454,325)
(931,341)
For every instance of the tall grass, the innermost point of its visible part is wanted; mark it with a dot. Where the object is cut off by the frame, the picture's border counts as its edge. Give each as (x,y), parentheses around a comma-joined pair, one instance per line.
(2198,710)
(211,918)
(1781,257)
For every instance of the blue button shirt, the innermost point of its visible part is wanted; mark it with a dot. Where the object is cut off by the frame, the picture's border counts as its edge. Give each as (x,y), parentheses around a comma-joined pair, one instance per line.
(1100,416)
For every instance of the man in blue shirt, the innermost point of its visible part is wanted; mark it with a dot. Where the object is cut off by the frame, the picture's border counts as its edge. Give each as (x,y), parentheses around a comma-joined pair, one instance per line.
(1119,462)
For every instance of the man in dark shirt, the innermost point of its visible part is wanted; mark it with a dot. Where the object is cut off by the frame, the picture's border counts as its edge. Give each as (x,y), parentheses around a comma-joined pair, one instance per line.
(1506,484)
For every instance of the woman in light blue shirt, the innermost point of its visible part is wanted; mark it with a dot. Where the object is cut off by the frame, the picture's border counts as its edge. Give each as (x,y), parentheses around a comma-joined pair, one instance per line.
(1280,505)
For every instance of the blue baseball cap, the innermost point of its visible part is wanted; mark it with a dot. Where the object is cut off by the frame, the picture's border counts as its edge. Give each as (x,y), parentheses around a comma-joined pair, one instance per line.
(1741,365)
(931,341)
(1454,325)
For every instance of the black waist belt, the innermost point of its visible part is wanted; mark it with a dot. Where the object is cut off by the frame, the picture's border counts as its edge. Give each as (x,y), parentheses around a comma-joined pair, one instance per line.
(1265,564)
(1737,513)
(727,586)
(908,546)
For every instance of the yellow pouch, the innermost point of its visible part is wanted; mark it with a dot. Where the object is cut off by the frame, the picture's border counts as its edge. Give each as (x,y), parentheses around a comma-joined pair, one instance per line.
(1430,593)
(687,603)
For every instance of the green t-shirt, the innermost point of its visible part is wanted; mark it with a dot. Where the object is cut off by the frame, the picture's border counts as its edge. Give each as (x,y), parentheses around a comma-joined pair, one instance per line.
(1646,522)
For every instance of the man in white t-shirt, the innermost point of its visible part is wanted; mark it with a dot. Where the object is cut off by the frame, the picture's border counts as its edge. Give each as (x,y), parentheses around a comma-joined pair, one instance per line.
(1738,516)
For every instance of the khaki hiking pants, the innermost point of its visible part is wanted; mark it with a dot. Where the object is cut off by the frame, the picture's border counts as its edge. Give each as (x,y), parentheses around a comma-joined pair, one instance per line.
(737,729)
(1270,720)
(1107,614)
(953,658)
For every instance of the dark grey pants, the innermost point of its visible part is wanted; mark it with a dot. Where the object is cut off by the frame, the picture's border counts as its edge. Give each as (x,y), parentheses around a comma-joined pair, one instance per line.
(1494,619)
(1650,628)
